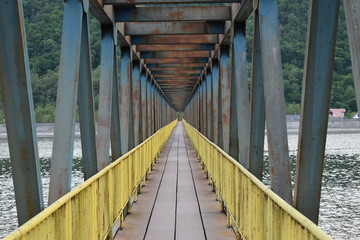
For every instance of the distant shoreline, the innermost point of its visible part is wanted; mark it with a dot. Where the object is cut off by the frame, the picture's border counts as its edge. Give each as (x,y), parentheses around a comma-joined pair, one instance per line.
(335,126)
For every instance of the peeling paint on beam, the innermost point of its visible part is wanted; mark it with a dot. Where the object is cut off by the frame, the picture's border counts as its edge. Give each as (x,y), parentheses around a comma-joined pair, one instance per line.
(180,47)
(175,39)
(184,13)
(176,54)
(170,28)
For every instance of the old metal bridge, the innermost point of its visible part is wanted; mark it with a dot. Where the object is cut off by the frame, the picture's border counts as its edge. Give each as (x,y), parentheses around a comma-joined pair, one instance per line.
(185,56)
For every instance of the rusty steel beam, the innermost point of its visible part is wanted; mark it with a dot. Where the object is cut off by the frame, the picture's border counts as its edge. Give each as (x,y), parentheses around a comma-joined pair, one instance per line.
(175,75)
(274,100)
(179,69)
(176,54)
(64,127)
(173,28)
(318,74)
(257,108)
(172,77)
(19,112)
(176,65)
(134,2)
(182,13)
(176,72)
(175,61)
(175,39)
(177,47)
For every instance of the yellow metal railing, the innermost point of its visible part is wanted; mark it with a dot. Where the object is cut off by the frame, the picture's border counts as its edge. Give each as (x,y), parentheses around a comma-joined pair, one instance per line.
(95,209)
(254,210)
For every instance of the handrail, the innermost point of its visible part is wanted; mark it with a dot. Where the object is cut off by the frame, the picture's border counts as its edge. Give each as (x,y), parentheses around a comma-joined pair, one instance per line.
(255,211)
(95,209)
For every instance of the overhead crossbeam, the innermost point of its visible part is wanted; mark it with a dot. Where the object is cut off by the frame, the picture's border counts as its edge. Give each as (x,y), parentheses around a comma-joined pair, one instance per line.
(174,60)
(134,2)
(174,39)
(176,65)
(171,28)
(176,54)
(188,13)
(177,47)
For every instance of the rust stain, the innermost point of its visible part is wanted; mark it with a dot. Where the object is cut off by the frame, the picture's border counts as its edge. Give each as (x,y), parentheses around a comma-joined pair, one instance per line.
(156,31)
(178,15)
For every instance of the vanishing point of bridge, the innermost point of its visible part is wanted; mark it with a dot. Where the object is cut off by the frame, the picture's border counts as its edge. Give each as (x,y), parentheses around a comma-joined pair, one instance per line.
(174,56)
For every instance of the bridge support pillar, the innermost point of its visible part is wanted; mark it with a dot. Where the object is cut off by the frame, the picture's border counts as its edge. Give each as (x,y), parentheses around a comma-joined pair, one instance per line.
(136,100)
(352,14)
(105,99)
(215,96)
(210,125)
(257,110)
(125,99)
(239,125)
(144,119)
(319,61)
(19,111)
(274,100)
(225,94)
(62,155)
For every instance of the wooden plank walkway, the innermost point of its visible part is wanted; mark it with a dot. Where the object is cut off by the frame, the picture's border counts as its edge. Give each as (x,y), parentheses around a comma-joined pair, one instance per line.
(176,202)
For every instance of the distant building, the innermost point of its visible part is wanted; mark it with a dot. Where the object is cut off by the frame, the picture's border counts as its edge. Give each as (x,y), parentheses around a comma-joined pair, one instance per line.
(337,112)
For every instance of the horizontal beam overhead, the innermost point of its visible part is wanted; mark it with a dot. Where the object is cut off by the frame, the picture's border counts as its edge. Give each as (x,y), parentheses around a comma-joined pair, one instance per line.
(178,47)
(174,77)
(179,69)
(174,39)
(176,65)
(183,13)
(134,2)
(179,60)
(171,28)
(176,54)
(183,72)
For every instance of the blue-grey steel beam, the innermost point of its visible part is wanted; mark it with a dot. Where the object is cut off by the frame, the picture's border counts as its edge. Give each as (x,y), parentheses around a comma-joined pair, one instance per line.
(319,63)
(210,124)
(19,111)
(62,154)
(205,105)
(257,110)
(125,96)
(274,100)
(240,81)
(115,133)
(105,99)
(215,89)
(225,88)
(148,106)
(136,100)
(352,14)
(86,104)
(144,119)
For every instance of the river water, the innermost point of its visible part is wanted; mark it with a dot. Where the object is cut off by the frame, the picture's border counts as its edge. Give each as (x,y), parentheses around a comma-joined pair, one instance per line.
(340,197)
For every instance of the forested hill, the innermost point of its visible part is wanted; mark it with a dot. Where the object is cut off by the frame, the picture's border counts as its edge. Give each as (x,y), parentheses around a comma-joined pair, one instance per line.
(43,20)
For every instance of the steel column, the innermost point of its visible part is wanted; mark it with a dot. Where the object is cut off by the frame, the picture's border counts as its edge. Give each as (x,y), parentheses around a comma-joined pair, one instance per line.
(115,133)
(225,88)
(210,123)
(148,105)
(215,96)
(105,99)
(205,106)
(257,111)
(86,104)
(274,100)
(240,81)
(144,119)
(125,96)
(319,63)
(62,154)
(19,111)
(136,100)
(352,14)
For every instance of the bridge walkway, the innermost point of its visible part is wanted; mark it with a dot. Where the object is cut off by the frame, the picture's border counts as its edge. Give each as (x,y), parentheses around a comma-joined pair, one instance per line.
(176,202)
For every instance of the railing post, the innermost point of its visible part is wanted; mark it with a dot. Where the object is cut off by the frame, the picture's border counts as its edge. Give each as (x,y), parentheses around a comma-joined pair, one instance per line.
(105,99)
(19,111)
(257,111)
(62,154)
(352,14)
(215,96)
(136,100)
(86,103)
(274,100)
(225,93)
(319,62)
